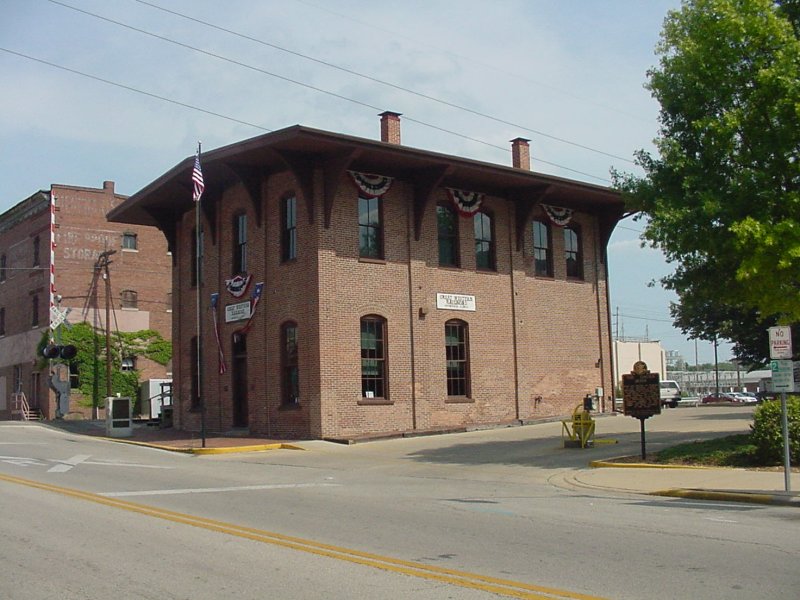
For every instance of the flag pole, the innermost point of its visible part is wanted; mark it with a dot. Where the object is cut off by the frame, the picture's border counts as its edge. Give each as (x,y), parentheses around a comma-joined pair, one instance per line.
(199,185)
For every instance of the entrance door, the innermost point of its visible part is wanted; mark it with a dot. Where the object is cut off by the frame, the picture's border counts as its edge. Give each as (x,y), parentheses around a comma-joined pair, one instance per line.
(239,376)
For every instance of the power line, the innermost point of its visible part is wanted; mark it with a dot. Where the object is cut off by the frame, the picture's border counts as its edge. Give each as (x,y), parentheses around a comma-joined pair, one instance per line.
(474,61)
(374,80)
(284,78)
(133,89)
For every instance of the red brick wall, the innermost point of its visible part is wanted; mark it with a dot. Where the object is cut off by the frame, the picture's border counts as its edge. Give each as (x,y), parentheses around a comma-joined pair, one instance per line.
(553,330)
(82,234)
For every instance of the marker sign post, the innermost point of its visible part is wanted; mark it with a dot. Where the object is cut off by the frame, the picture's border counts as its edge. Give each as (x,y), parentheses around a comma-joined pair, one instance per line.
(641,396)
(780,351)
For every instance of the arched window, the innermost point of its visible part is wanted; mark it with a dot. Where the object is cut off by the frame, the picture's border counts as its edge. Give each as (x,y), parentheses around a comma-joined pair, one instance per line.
(573,252)
(456,343)
(447,224)
(542,249)
(240,244)
(484,241)
(289,229)
(290,379)
(373,357)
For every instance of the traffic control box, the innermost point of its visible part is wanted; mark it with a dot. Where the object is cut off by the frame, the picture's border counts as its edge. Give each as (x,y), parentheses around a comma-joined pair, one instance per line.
(119,421)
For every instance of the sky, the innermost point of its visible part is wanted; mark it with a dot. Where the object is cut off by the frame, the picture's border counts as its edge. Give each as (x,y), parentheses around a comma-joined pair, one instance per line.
(123,90)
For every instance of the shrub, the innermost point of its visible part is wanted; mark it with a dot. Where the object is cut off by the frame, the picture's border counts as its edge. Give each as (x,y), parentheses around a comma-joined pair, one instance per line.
(767,435)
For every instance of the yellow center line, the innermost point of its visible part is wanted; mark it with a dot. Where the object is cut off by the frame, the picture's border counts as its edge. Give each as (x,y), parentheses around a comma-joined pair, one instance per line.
(506,587)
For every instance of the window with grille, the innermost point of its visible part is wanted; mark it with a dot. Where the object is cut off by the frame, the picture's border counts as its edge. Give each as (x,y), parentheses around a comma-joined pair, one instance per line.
(291,372)
(373,357)
(457,358)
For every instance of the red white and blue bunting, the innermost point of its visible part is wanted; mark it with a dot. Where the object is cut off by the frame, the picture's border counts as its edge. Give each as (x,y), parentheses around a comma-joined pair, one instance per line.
(254,298)
(467,203)
(237,286)
(558,215)
(372,186)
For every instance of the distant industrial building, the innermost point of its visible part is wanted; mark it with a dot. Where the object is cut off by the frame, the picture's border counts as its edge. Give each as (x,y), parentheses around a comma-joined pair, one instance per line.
(52,245)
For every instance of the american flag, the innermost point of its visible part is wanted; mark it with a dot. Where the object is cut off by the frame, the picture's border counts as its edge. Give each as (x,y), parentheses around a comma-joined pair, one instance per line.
(197,179)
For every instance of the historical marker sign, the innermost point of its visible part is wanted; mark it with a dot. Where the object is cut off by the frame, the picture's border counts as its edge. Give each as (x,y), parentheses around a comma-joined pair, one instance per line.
(641,392)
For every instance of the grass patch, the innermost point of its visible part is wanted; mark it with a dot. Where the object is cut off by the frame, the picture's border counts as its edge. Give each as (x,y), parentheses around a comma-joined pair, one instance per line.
(731,451)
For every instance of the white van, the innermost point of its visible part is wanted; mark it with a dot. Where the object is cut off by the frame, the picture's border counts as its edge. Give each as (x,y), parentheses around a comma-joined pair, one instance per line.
(670,393)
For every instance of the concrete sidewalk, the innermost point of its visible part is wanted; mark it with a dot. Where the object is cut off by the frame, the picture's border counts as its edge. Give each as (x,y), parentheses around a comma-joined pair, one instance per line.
(173,439)
(701,483)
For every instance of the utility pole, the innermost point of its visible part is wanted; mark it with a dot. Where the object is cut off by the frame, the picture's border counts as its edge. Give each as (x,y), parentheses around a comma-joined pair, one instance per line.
(102,264)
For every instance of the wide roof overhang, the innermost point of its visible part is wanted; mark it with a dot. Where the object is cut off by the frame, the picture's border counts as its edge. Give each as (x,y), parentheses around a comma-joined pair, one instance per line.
(301,150)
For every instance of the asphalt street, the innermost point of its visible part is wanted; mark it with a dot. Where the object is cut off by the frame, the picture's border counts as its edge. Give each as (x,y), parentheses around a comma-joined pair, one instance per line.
(474,515)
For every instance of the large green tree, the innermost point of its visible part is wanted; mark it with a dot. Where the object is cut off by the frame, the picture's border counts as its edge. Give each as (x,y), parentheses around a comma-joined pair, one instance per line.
(722,197)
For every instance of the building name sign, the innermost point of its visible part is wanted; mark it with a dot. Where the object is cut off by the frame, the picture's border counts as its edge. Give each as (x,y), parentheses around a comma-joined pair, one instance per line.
(237,312)
(455,302)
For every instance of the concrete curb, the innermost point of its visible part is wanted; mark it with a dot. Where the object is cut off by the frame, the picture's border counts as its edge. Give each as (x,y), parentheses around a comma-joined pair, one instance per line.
(608,463)
(729,496)
(205,451)
(785,499)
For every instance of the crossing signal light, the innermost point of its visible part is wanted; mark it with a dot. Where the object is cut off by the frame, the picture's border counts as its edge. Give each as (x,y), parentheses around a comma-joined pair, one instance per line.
(53,351)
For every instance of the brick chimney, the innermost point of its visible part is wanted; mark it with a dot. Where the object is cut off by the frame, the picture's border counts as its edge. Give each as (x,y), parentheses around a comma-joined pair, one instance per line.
(520,154)
(108,186)
(390,127)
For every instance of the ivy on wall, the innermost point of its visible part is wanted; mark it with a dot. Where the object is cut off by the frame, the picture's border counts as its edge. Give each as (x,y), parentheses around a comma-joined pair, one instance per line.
(90,359)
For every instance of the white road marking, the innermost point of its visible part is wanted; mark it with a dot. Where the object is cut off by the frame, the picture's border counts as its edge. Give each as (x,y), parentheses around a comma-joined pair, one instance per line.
(242,488)
(21,461)
(66,465)
(62,466)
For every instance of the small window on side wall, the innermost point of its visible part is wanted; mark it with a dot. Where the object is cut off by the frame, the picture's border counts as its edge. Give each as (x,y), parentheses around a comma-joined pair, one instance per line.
(129,299)
(129,241)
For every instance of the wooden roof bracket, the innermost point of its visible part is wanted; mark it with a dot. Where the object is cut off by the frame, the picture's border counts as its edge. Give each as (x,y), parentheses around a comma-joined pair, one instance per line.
(167,223)
(425,182)
(302,167)
(254,180)
(333,169)
(525,201)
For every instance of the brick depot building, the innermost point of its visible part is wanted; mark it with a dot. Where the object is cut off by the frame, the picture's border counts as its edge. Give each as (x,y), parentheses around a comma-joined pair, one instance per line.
(351,287)
(139,273)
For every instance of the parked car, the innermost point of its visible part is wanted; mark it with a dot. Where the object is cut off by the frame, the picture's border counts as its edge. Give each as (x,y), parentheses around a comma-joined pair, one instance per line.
(743,397)
(714,398)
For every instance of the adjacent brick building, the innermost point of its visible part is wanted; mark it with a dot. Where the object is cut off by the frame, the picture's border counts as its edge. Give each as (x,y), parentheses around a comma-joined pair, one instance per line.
(403,290)
(138,272)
